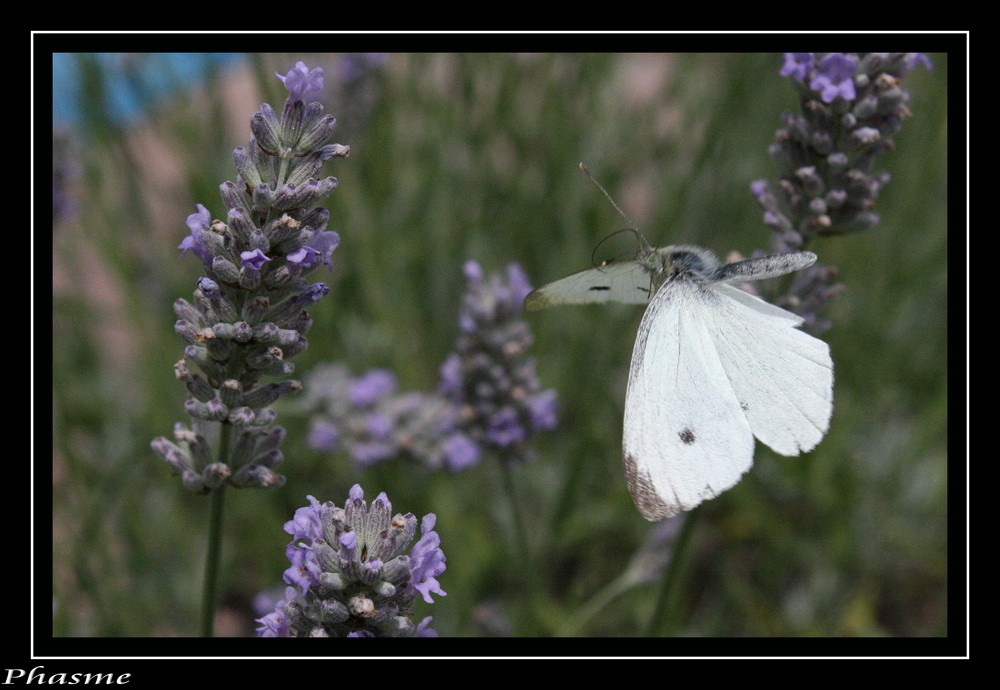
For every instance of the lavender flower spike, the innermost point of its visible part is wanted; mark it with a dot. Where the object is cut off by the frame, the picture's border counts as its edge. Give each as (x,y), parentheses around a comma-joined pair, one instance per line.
(490,378)
(851,105)
(248,317)
(489,398)
(351,575)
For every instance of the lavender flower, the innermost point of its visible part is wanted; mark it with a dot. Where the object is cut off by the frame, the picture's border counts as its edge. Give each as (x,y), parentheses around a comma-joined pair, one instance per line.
(198,225)
(248,318)
(275,623)
(366,417)
(489,398)
(350,575)
(302,82)
(490,378)
(797,65)
(835,78)
(851,106)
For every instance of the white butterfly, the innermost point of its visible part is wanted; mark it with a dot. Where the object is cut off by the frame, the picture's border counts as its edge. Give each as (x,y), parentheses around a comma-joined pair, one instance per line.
(713,367)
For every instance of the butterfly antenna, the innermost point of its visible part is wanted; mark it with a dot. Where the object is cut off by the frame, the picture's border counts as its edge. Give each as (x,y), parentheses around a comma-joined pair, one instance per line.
(608,196)
(643,244)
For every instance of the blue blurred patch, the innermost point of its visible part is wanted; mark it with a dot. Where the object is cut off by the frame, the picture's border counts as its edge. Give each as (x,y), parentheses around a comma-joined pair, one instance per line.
(128,83)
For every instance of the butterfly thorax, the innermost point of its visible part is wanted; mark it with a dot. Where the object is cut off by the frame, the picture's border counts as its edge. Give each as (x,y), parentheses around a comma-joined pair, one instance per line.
(678,262)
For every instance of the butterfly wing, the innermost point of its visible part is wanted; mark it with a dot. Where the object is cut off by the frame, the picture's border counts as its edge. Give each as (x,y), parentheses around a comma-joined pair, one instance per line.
(685,437)
(623,281)
(782,376)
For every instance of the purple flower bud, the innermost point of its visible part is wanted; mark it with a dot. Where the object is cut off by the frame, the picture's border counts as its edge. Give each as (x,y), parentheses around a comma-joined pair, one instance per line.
(451,375)
(349,540)
(543,408)
(324,243)
(379,426)
(424,629)
(758,188)
(209,287)
(275,624)
(304,570)
(914,59)
(367,454)
(518,284)
(319,248)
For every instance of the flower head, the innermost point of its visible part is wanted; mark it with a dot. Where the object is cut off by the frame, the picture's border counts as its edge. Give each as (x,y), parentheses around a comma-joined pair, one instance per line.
(373,422)
(851,107)
(351,575)
(248,317)
(826,154)
(489,397)
(490,378)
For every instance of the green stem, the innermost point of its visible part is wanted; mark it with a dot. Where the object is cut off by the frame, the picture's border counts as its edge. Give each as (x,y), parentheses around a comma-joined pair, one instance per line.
(519,533)
(524,554)
(594,606)
(212,556)
(664,621)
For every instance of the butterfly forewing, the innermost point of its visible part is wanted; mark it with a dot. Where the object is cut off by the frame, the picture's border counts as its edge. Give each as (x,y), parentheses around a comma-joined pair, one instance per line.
(685,436)
(625,281)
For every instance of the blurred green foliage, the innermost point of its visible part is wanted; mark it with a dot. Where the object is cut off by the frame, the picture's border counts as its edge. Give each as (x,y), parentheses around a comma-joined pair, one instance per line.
(474,156)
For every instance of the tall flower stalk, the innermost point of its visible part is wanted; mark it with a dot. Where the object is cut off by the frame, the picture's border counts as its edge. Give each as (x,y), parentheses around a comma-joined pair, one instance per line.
(249,316)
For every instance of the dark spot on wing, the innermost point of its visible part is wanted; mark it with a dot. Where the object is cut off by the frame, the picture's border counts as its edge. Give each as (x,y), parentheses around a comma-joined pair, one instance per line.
(687,436)
(744,406)
(600,287)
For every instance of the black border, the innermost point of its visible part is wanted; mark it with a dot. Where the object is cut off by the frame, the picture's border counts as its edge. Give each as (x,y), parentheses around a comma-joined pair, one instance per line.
(79,654)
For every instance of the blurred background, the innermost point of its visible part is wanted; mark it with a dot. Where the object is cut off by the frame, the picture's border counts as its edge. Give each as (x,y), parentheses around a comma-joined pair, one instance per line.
(475,156)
